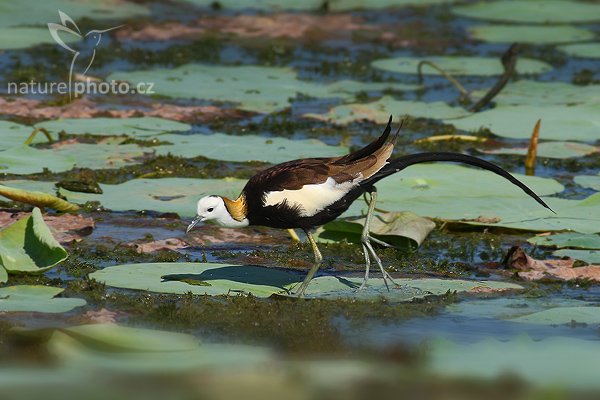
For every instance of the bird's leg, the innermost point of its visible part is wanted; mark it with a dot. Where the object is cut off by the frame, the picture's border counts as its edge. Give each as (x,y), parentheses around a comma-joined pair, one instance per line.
(315,267)
(366,243)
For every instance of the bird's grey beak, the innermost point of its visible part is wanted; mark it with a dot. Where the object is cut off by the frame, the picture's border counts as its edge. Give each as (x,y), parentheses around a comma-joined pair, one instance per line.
(194,223)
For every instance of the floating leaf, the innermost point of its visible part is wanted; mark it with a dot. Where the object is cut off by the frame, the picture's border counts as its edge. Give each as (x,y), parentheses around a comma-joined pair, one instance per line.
(28,298)
(562,315)
(38,199)
(529,34)
(28,245)
(15,135)
(206,357)
(224,279)
(526,92)
(589,256)
(568,239)
(12,38)
(125,339)
(560,150)
(400,229)
(588,181)
(584,50)
(533,269)
(142,126)
(219,146)
(254,88)
(20,160)
(459,65)
(548,11)
(553,362)
(380,111)
(578,122)
(177,195)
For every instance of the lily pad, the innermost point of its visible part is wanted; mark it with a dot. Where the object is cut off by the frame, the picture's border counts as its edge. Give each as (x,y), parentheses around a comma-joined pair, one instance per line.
(459,65)
(588,181)
(400,229)
(14,135)
(578,122)
(562,315)
(568,239)
(224,279)
(36,298)
(589,256)
(380,111)
(122,338)
(178,195)
(106,154)
(142,126)
(554,362)
(560,150)
(548,11)
(38,199)
(530,34)
(25,160)
(246,148)
(253,88)
(205,357)
(31,12)
(583,50)
(28,246)
(526,92)
(12,38)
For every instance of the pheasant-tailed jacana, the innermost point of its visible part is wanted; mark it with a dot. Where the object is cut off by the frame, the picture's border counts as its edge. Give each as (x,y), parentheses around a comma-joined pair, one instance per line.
(311,192)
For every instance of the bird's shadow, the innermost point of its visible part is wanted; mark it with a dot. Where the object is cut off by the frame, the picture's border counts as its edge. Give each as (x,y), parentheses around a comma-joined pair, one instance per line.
(246,274)
(249,275)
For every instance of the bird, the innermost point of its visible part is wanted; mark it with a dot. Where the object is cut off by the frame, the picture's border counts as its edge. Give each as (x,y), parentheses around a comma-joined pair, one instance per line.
(310,192)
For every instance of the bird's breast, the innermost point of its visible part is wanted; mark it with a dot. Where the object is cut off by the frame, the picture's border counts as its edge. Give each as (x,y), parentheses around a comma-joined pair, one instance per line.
(310,199)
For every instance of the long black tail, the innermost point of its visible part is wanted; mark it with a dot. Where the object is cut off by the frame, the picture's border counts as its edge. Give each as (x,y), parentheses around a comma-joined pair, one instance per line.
(400,163)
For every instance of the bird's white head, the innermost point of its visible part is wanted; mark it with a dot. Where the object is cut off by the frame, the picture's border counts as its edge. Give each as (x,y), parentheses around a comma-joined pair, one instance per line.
(212,208)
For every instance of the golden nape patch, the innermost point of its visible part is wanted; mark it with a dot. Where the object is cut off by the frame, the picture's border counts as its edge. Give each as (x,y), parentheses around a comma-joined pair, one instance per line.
(237,208)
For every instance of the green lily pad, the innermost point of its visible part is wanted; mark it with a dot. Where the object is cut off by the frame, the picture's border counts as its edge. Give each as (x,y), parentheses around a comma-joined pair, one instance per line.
(36,298)
(14,135)
(562,315)
(548,11)
(579,122)
(560,150)
(246,148)
(3,275)
(380,111)
(211,357)
(12,38)
(583,50)
(224,279)
(141,126)
(529,34)
(400,229)
(588,181)
(589,256)
(121,338)
(526,92)
(178,195)
(32,12)
(28,246)
(253,88)
(459,65)
(554,362)
(102,155)
(25,160)
(568,239)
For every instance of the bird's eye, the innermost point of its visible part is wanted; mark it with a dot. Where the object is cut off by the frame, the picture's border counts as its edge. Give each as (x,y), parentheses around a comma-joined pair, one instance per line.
(210,209)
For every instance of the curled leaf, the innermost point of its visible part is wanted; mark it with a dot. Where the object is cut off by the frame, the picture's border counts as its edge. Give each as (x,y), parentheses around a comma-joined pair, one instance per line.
(38,199)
